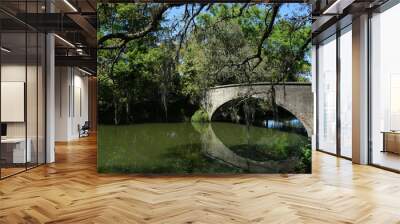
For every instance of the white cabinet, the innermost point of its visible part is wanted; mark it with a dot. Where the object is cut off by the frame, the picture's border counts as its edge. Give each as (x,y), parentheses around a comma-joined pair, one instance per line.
(19,155)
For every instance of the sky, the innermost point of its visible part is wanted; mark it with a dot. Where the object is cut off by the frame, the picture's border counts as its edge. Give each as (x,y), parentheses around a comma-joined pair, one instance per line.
(286,9)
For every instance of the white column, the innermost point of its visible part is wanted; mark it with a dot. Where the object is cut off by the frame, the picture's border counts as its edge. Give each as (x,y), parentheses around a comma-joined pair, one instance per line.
(314,91)
(50,94)
(360,90)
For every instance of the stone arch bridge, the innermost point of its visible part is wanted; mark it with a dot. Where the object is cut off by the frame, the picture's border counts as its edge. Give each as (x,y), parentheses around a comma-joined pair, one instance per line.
(297,98)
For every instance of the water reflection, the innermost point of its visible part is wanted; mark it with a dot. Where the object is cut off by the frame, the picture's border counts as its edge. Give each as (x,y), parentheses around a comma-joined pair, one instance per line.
(290,125)
(200,148)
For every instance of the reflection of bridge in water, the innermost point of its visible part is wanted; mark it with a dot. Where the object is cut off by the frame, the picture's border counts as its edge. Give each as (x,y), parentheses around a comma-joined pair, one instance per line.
(297,98)
(214,148)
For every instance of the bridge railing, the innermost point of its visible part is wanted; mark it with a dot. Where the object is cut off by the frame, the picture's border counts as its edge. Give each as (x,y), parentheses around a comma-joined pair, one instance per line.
(263,84)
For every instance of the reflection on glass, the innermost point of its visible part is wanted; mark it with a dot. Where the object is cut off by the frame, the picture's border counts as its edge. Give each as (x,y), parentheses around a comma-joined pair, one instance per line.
(327,95)
(31,100)
(346,92)
(15,149)
(385,89)
(22,89)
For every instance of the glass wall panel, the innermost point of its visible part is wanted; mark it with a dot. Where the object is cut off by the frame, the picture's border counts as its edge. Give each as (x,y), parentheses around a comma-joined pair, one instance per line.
(22,64)
(385,88)
(32,97)
(15,151)
(346,92)
(41,89)
(34,64)
(327,95)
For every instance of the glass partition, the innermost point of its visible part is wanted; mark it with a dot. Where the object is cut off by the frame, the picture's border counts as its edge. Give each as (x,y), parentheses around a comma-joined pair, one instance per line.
(32,95)
(13,95)
(327,95)
(22,90)
(385,89)
(346,92)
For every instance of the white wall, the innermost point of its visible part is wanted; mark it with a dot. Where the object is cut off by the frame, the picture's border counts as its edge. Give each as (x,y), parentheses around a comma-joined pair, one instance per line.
(9,73)
(13,101)
(71,94)
(80,110)
(33,126)
(62,82)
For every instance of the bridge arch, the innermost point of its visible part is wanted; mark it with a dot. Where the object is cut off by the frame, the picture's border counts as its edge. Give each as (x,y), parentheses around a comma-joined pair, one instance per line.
(214,148)
(297,98)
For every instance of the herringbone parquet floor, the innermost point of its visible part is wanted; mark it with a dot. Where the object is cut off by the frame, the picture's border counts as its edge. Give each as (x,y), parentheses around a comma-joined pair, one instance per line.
(70,191)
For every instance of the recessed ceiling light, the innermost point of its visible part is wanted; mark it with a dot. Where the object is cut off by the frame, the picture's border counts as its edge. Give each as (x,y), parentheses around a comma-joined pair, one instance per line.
(70,5)
(338,6)
(65,41)
(5,49)
(84,71)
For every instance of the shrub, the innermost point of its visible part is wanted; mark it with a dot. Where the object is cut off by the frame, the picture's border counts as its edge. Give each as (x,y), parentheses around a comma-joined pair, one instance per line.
(200,116)
(304,165)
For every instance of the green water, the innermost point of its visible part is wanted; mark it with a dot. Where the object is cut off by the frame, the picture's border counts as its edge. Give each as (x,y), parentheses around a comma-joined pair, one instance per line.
(184,148)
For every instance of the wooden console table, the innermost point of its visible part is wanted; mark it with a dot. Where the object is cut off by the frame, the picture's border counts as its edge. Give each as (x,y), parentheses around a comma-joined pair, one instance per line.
(391,141)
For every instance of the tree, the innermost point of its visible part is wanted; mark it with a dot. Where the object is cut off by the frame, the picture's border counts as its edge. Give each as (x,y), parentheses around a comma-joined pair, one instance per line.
(240,43)
(145,56)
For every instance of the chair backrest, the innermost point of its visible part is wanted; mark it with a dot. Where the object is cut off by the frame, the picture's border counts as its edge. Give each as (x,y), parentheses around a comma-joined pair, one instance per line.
(86,125)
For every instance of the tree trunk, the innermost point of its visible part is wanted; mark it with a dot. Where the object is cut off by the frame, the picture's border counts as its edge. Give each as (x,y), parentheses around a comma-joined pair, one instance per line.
(273,103)
(115,112)
(127,112)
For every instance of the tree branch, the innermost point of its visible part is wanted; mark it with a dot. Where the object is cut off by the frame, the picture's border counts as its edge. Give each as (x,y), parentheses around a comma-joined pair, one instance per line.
(266,34)
(156,17)
(186,27)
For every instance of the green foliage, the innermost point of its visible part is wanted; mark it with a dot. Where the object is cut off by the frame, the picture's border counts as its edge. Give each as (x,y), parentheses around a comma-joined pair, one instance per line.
(147,79)
(305,163)
(200,116)
(224,38)
(164,75)
(143,76)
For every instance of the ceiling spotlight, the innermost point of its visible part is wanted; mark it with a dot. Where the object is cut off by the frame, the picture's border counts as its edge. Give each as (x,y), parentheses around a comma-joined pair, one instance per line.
(70,5)
(79,51)
(5,49)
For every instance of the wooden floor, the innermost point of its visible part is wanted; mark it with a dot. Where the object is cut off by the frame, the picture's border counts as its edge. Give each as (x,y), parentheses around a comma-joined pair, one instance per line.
(70,191)
(5,172)
(387,159)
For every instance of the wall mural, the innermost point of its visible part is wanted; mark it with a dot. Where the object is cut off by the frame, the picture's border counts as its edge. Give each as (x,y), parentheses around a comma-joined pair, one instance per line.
(204,88)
